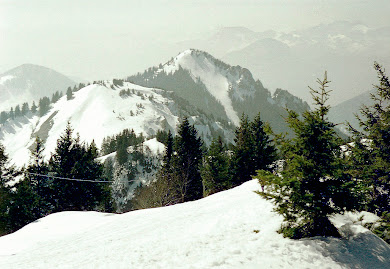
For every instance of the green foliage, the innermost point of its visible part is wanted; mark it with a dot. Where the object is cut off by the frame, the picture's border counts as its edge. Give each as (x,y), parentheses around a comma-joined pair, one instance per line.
(215,169)
(69,94)
(72,159)
(313,184)
(44,106)
(34,107)
(186,162)
(253,150)
(121,142)
(370,153)
(382,227)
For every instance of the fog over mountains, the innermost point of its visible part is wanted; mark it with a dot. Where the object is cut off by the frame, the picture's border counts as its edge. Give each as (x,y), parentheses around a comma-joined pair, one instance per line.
(294,60)
(29,82)
(193,84)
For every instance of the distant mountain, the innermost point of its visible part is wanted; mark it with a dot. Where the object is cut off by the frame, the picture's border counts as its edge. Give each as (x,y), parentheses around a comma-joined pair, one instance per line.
(347,110)
(28,83)
(295,60)
(219,89)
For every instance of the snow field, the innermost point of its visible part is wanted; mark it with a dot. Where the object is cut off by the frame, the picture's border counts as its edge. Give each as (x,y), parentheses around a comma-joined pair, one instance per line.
(95,112)
(214,232)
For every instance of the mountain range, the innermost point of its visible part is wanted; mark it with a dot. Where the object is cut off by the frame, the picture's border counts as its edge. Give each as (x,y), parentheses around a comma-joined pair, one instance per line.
(295,60)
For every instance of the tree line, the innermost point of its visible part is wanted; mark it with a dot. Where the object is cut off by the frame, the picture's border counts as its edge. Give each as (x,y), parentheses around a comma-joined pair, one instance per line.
(44,187)
(313,179)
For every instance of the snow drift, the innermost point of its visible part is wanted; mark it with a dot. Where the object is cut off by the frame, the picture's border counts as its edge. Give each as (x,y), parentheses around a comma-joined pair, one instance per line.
(232,229)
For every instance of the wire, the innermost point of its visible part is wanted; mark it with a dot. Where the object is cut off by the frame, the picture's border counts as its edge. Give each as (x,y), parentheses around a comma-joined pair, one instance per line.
(78,179)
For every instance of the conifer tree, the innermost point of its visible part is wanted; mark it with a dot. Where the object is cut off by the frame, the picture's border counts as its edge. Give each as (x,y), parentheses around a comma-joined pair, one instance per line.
(215,169)
(371,148)
(4,191)
(34,108)
(264,151)
(243,153)
(18,112)
(44,106)
(73,160)
(313,184)
(253,150)
(69,94)
(186,162)
(25,109)
(41,184)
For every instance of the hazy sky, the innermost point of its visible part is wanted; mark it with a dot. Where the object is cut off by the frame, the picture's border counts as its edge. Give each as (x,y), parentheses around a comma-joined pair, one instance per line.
(103,39)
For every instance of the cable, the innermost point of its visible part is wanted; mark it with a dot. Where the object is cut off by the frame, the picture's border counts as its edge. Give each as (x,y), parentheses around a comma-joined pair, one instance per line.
(78,179)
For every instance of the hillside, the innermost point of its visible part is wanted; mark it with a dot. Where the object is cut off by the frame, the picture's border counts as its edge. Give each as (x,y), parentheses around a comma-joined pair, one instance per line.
(98,111)
(28,83)
(347,110)
(219,89)
(231,229)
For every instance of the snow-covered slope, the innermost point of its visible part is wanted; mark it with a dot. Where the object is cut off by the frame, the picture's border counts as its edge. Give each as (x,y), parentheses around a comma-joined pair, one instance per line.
(28,83)
(216,82)
(98,111)
(232,229)
(220,89)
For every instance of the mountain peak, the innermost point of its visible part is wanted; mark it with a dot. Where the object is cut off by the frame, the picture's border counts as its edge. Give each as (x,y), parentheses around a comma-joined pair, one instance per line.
(28,83)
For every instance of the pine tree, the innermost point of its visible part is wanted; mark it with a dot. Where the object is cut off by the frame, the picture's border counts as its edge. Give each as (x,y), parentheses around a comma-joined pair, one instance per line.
(371,148)
(313,184)
(264,151)
(18,112)
(4,191)
(215,169)
(243,153)
(44,106)
(253,150)
(41,184)
(186,162)
(73,160)
(25,108)
(69,94)
(34,107)
(12,114)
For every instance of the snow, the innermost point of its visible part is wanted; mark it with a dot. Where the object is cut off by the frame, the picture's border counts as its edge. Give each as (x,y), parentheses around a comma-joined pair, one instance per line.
(3,79)
(231,229)
(216,83)
(95,112)
(155,146)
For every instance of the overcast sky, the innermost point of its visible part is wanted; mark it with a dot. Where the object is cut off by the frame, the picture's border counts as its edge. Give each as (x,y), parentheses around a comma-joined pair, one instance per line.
(104,39)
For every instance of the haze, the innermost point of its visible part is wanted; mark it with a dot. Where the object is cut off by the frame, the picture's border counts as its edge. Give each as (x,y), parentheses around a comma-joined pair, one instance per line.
(105,39)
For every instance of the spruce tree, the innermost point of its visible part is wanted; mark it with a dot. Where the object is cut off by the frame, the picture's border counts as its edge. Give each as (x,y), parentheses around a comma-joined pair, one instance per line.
(264,151)
(69,94)
(25,108)
(73,160)
(313,184)
(41,184)
(186,162)
(4,191)
(215,169)
(253,150)
(243,153)
(371,148)
(34,108)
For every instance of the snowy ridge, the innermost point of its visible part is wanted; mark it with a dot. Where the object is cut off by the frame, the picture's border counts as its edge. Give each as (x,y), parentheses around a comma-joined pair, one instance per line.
(231,229)
(221,83)
(98,111)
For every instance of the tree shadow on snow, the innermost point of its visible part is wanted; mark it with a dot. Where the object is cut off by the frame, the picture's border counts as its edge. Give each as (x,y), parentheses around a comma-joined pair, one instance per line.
(364,250)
